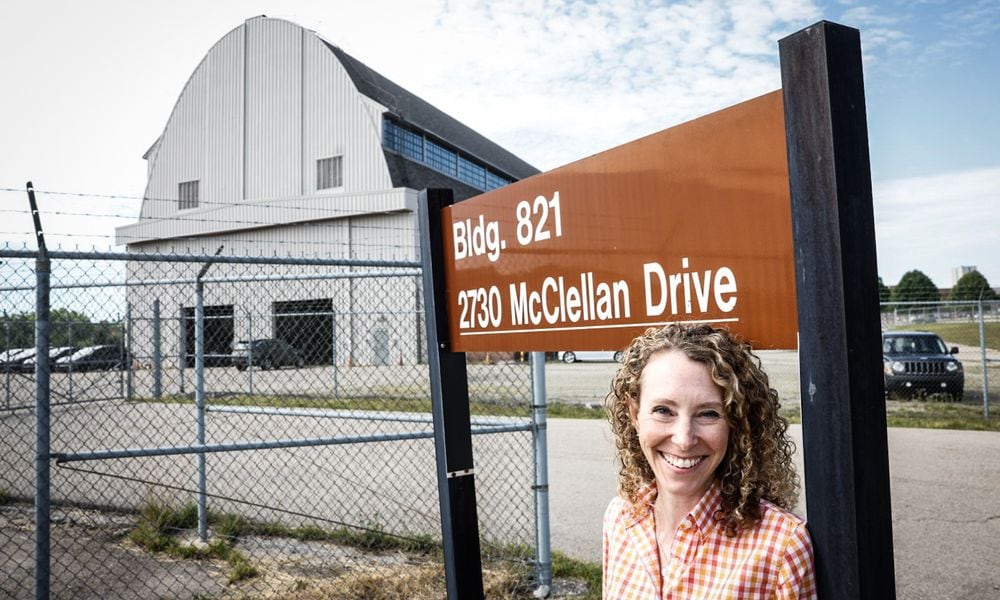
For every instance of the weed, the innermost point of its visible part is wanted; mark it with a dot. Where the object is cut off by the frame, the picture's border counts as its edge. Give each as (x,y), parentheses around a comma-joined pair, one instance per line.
(590,573)
(158,522)
(241,569)
(230,525)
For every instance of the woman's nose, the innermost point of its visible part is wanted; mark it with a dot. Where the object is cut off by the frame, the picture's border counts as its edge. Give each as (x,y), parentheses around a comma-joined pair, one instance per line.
(684,434)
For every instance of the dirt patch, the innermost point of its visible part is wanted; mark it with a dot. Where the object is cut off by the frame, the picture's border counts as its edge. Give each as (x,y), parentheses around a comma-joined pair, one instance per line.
(92,557)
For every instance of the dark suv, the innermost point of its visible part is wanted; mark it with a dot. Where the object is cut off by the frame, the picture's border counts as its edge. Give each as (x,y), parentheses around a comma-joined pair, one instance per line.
(266,354)
(918,361)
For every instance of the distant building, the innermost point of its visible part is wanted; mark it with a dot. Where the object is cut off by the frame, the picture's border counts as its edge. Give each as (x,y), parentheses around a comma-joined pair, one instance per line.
(958,272)
(283,144)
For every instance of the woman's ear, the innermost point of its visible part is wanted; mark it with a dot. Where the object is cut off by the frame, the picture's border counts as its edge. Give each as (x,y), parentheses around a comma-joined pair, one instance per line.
(633,411)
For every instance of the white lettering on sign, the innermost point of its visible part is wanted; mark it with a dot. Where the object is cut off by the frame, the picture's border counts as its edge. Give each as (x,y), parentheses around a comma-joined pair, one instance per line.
(477,239)
(537,221)
(559,301)
(665,293)
(575,301)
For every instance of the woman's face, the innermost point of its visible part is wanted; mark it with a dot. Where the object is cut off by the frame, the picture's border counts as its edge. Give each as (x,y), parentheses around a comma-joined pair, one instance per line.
(681,424)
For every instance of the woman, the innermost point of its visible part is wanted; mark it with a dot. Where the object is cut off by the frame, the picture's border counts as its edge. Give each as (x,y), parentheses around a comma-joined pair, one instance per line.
(706,480)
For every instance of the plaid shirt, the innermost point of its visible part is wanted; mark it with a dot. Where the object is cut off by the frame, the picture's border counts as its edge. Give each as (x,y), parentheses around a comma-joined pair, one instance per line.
(774,559)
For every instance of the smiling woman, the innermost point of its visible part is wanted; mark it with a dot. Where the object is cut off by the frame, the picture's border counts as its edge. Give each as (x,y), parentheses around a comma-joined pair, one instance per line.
(706,481)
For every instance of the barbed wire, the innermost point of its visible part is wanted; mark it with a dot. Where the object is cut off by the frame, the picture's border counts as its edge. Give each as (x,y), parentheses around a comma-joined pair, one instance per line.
(278,204)
(324,212)
(207,242)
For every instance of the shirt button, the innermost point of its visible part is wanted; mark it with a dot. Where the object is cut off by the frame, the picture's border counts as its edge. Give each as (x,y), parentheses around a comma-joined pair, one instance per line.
(685,524)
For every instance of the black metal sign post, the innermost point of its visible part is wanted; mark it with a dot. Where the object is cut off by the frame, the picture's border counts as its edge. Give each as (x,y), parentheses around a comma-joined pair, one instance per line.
(450,407)
(843,402)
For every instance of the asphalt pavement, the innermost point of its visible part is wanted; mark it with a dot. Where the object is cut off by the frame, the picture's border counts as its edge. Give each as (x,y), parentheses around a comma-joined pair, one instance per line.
(945,504)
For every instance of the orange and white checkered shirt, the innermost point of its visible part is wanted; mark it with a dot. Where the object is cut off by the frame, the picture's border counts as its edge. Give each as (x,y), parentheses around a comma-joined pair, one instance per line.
(774,559)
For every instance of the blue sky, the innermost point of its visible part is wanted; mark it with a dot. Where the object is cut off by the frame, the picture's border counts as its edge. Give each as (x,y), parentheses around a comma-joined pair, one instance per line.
(89,86)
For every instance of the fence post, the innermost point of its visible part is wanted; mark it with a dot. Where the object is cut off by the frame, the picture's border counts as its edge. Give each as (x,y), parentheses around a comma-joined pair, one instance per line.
(449,385)
(982,352)
(157,384)
(42,434)
(181,349)
(250,353)
(6,375)
(199,404)
(539,431)
(333,355)
(843,409)
(199,395)
(127,359)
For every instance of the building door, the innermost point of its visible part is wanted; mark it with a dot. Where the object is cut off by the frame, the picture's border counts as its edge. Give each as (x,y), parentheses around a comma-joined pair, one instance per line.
(309,326)
(218,335)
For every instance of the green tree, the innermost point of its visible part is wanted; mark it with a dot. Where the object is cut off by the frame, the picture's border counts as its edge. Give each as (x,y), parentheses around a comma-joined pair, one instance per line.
(972,286)
(884,294)
(66,328)
(915,286)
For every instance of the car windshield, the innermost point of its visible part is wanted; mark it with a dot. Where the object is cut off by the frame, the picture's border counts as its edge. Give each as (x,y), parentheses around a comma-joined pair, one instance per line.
(82,352)
(914,344)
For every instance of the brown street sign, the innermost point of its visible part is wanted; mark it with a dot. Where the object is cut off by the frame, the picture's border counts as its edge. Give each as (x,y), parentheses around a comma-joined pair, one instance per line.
(689,224)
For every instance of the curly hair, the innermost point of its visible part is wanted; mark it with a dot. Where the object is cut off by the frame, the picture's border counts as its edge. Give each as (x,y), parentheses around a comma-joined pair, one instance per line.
(758,460)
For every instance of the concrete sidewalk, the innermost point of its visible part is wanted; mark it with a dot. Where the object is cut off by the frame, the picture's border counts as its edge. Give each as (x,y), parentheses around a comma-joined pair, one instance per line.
(945,504)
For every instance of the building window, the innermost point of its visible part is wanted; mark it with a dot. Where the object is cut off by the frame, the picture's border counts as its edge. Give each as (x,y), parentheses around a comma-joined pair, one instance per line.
(471,173)
(414,145)
(329,173)
(441,158)
(494,181)
(187,195)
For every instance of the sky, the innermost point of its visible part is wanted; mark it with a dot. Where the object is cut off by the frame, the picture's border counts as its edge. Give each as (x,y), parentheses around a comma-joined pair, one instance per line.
(87,87)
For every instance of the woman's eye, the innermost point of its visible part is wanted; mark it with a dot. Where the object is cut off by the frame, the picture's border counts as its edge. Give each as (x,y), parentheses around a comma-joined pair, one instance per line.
(662,410)
(710,414)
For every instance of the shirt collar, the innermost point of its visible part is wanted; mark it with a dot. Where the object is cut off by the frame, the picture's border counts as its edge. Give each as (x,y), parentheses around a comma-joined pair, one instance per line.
(702,516)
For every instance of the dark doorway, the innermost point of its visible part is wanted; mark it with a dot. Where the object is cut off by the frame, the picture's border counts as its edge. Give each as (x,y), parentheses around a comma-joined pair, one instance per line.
(218,335)
(309,326)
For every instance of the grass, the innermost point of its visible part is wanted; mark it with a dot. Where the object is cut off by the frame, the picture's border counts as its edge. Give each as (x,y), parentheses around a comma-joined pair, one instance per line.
(158,523)
(423,581)
(925,413)
(377,404)
(966,334)
(561,410)
(930,414)
(506,574)
(571,568)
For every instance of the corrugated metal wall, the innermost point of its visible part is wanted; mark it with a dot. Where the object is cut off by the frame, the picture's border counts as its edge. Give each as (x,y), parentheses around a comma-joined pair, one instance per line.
(265,104)
(222,171)
(274,109)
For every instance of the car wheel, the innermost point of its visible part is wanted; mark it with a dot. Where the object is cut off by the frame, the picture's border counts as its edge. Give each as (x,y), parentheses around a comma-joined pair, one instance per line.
(569,358)
(241,367)
(267,364)
(299,362)
(618,356)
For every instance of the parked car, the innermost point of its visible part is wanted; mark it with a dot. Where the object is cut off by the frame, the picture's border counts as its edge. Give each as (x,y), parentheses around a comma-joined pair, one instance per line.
(919,361)
(109,357)
(266,354)
(28,365)
(572,356)
(12,359)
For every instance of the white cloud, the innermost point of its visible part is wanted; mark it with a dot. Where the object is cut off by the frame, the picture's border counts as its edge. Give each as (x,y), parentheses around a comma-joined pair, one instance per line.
(588,76)
(937,223)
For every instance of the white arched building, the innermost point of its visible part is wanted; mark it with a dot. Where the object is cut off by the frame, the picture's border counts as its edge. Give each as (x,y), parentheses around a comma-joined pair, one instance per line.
(281,144)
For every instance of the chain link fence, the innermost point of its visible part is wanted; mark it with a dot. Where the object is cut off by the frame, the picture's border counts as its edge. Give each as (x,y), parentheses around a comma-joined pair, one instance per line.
(942,351)
(293,455)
